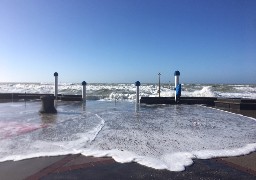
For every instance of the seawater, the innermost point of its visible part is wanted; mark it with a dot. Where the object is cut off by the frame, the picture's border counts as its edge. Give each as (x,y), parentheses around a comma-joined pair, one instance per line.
(128,91)
(157,136)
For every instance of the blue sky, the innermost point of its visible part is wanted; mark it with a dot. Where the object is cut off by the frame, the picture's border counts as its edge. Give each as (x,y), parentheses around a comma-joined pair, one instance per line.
(208,41)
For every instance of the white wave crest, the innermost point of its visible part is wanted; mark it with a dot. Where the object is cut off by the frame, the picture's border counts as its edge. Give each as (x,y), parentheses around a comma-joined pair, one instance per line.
(204,92)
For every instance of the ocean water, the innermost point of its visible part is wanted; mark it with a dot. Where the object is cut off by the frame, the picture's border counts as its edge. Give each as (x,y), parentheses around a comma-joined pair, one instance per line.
(157,136)
(127,91)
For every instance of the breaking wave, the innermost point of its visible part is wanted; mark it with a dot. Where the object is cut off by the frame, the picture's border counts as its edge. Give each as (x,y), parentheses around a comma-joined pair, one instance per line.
(127,91)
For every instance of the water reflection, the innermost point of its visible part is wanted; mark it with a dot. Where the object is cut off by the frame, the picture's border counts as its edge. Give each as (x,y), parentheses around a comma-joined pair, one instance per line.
(137,107)
(84,106)
(48,118)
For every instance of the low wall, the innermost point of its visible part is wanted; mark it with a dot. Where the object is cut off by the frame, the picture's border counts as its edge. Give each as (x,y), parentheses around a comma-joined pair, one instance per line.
(7,97)
(183,100)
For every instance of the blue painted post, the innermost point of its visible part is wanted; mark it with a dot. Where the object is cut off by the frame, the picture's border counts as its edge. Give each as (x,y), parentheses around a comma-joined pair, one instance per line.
(56,85)
(177,86)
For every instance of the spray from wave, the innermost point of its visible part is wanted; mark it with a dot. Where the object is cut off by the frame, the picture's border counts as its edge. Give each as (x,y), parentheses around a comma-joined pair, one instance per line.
(128,91)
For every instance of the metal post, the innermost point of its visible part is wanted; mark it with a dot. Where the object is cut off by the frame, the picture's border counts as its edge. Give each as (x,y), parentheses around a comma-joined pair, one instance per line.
(56,85)
(159,74)
(177,80)
(137,84)
(176,75)
(84,91)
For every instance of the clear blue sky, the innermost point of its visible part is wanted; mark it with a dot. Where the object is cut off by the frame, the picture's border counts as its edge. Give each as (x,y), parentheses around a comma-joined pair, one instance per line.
(208,41)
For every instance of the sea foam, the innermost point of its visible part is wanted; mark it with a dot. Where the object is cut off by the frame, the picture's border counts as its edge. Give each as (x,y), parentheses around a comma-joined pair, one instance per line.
(157,136)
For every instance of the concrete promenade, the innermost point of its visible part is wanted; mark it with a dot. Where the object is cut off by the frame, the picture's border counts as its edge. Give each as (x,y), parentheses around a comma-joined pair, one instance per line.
(82,167)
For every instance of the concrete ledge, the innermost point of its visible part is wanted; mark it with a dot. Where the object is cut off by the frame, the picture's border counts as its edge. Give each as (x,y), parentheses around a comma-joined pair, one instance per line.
(157,100)
(70,97)
(17,96)
(236,103)
(7,97)
(183,100)
(230,103)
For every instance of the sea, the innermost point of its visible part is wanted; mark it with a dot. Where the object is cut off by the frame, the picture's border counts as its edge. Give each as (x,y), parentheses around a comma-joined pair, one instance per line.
(109,124)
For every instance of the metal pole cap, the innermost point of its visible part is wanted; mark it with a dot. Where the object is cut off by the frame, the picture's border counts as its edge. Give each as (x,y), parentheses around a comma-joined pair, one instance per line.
(176,73)
(84,83)
(55,74)
(137,83)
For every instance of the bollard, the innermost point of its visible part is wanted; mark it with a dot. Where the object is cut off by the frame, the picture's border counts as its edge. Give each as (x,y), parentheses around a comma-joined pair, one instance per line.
(84,91)
(47,104)
(176,75)
(56,85)
(159,74)
(177,87)
(137,83)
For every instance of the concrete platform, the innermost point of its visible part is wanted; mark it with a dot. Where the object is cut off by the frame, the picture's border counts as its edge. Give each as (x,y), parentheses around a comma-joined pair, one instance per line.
(78,166)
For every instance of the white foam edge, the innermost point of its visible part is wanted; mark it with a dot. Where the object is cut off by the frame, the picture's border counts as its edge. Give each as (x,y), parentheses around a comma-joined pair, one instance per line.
(123,156)
(173,161)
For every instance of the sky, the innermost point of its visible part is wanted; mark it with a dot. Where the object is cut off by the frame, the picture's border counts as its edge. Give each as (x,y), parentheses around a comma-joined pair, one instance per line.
(123,41)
